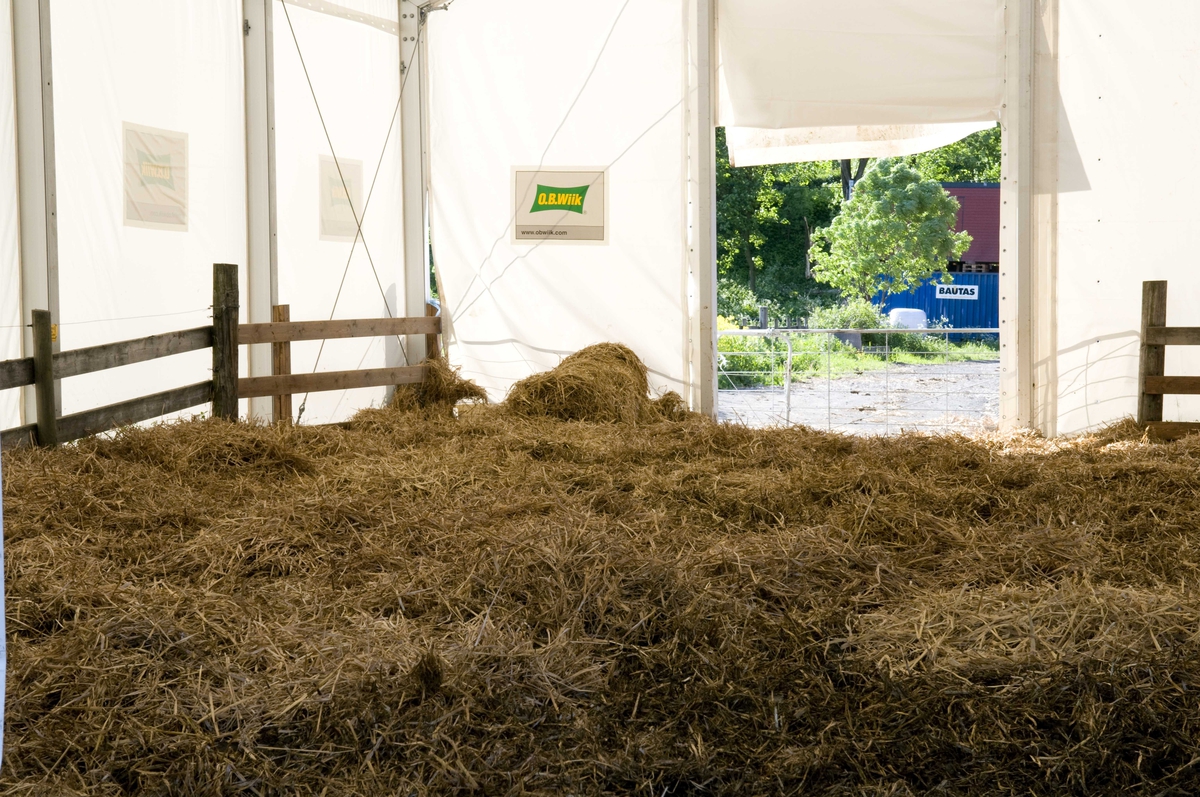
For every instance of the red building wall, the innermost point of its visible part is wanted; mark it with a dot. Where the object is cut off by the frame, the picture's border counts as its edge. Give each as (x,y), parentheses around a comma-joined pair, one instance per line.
(979,214)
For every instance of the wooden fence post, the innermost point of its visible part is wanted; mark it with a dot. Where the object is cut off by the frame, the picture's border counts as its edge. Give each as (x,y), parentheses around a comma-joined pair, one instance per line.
(281,364)
(225,341)
(1153,358)
(43,376)
(432,349)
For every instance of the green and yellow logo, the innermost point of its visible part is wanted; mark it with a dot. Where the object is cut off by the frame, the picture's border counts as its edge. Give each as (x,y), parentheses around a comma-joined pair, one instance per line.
(551,198)
(337,193)
(155,171)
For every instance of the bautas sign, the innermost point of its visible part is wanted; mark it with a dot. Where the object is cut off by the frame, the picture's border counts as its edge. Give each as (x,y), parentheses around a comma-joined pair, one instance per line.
(552,206)
(958,292)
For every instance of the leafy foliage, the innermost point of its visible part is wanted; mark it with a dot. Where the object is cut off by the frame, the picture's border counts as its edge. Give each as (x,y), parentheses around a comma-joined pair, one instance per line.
(764,215)
(855,313)
(893,234)
(974,159)
(735,300)
(760,361)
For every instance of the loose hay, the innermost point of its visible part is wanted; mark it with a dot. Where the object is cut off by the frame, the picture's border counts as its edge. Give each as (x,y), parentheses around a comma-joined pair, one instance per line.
(495,604)
(605,383)
(443,387)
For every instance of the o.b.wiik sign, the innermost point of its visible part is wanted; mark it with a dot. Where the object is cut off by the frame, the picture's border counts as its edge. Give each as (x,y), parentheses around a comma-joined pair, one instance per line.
(560,206)
(970,292)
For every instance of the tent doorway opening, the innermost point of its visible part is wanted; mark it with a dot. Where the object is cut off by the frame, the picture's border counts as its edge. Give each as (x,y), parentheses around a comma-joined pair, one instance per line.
(797,344)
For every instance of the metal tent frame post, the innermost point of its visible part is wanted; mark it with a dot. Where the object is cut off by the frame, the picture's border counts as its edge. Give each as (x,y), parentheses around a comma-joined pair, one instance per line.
(262,265)
(37,198)
(701,117)
(413,155)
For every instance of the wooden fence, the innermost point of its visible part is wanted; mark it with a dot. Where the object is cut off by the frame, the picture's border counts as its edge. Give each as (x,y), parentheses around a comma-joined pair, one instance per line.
(1153,383)
(45,368)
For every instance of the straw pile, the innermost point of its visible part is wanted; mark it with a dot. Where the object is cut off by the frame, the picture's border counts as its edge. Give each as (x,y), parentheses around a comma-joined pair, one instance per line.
(605,383)
(491,603)
(442,389)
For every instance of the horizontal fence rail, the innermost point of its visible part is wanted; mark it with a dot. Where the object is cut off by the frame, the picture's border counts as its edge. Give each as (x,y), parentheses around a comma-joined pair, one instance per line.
(78,362)
(885,380)
(19,437)
(16,373)
(223,390)
(291,331)
(1173,385)
(1173,336)
(114,416)
(253,387)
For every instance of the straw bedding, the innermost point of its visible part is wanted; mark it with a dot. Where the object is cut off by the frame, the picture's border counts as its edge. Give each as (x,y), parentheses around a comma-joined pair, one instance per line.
(441,390)
(605,383)
(504,602)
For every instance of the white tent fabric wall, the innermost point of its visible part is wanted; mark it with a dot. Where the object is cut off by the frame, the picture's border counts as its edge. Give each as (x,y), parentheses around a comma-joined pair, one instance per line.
(10,269)
(813,63)
(1117,105)
(750,146)
(560,85)
(355,71)
(380,14)
(174,66)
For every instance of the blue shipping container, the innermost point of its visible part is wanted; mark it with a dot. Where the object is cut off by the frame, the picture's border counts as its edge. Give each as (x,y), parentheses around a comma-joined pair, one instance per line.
(982,312)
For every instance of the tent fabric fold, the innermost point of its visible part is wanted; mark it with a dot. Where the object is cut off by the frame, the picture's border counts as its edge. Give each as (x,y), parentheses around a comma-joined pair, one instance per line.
(811,63)
(758,147)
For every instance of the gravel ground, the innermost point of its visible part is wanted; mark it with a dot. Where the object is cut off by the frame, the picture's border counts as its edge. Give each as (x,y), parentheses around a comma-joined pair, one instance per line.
(958,397)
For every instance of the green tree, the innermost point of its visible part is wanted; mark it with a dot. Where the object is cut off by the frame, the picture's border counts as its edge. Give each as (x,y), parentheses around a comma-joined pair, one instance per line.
(974,159)
(765,215)
(748,200)
(894,233)
(786,279)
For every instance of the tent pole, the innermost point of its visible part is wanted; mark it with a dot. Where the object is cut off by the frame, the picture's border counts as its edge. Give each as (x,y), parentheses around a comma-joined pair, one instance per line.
(1016,196)
(262,283)
(415,277)
(38,203)
(1042,275)
(1028,219)
(702,200)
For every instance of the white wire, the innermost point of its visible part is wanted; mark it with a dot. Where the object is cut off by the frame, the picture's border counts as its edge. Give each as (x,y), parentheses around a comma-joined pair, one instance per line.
(113,320)
(358,218)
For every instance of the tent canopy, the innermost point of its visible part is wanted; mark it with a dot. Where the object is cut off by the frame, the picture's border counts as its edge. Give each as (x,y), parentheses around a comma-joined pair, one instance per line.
(857,78)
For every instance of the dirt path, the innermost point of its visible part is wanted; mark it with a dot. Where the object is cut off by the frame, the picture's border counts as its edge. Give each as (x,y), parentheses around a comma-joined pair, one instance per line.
(960,397)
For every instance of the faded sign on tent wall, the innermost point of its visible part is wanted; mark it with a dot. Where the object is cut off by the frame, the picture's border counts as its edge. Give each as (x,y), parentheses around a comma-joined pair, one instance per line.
(340,197)
(560,206)
(156,178)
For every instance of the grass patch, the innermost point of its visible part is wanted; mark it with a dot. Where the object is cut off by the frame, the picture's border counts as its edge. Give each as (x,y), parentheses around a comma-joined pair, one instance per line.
(749,362)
